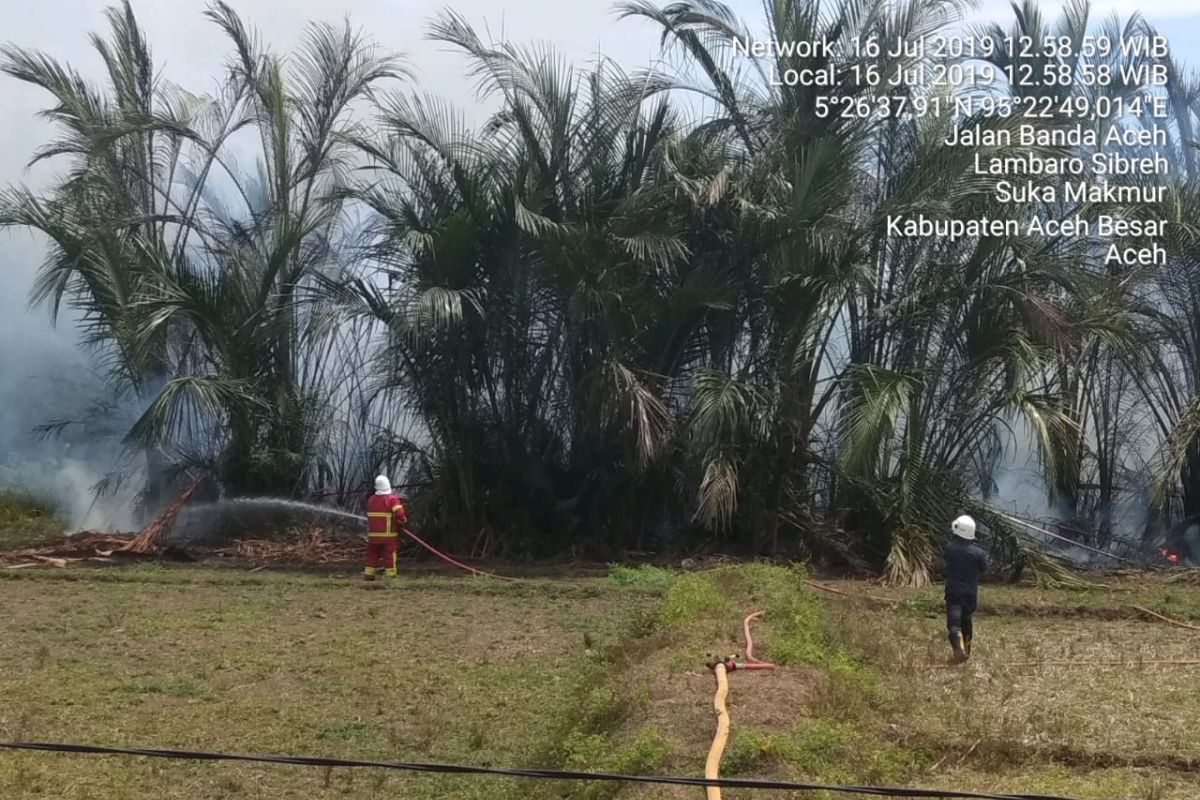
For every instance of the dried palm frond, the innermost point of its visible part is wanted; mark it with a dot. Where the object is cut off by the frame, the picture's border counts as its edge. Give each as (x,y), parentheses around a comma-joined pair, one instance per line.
(147,539)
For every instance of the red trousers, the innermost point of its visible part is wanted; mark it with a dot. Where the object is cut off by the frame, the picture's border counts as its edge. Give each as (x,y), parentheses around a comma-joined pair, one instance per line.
(382,552)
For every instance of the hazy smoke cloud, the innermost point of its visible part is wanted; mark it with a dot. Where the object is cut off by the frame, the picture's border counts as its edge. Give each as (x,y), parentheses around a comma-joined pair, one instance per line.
(1021,489)
(44,377)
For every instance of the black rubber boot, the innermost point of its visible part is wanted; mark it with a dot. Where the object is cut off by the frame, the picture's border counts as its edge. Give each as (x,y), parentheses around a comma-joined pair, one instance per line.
(956,642)
(967,646)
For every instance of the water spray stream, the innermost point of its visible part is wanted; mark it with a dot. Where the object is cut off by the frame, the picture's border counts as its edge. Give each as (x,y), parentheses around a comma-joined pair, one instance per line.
(281,504)
(1030,526)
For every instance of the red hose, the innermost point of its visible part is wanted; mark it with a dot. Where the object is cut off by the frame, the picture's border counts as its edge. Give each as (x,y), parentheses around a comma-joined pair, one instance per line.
(751,661)
(450,560)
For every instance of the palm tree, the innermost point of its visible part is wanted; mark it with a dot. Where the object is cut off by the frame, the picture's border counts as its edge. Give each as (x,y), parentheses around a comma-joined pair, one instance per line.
(1169,383)
(538,303)
(196,276)
(902,356)
(253,254)
(107,218)
(601,321)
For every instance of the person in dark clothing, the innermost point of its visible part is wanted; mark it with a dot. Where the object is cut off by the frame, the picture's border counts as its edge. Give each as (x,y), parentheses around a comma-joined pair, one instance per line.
(965,563)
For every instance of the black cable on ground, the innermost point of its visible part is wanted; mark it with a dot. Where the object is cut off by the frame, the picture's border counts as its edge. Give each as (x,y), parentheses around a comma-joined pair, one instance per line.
(541,774)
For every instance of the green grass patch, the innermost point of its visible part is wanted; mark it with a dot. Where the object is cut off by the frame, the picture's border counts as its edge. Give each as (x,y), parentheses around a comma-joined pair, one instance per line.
(645,576)
(645,754)
(824,751)
(794,614)
(753,750)
(26,520)
(347,732)
(605,701)
(692,597)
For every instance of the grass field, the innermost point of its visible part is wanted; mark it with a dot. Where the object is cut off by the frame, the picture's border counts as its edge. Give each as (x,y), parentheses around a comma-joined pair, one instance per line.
(25,520)
(598,673)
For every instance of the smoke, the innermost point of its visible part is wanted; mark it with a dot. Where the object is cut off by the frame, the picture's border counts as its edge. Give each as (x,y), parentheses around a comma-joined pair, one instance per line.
(45,376)
(71,485)
(1022,491)
(1019,479)
(1020,488)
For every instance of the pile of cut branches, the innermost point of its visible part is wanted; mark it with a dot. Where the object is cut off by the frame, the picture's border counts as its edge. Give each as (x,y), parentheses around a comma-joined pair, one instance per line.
(316,546)
(85,546)
(102,547)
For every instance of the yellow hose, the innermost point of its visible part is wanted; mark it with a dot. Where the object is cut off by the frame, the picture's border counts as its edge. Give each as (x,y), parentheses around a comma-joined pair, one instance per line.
(712,766)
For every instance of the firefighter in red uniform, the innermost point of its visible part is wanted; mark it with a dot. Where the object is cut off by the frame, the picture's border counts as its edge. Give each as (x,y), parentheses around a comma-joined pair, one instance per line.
(385,517)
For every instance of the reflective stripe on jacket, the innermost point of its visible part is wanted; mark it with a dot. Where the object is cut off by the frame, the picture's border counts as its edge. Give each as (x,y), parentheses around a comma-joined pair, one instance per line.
(385,516)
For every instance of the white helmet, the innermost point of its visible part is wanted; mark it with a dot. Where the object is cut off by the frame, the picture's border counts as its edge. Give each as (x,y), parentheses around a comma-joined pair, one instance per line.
(383,485)
(963,527)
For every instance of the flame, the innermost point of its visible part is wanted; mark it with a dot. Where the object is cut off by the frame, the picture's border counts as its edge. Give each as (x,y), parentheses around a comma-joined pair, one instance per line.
(1169,556)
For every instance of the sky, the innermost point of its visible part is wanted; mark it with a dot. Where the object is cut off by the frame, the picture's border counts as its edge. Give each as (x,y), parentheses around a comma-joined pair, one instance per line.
(189,50)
